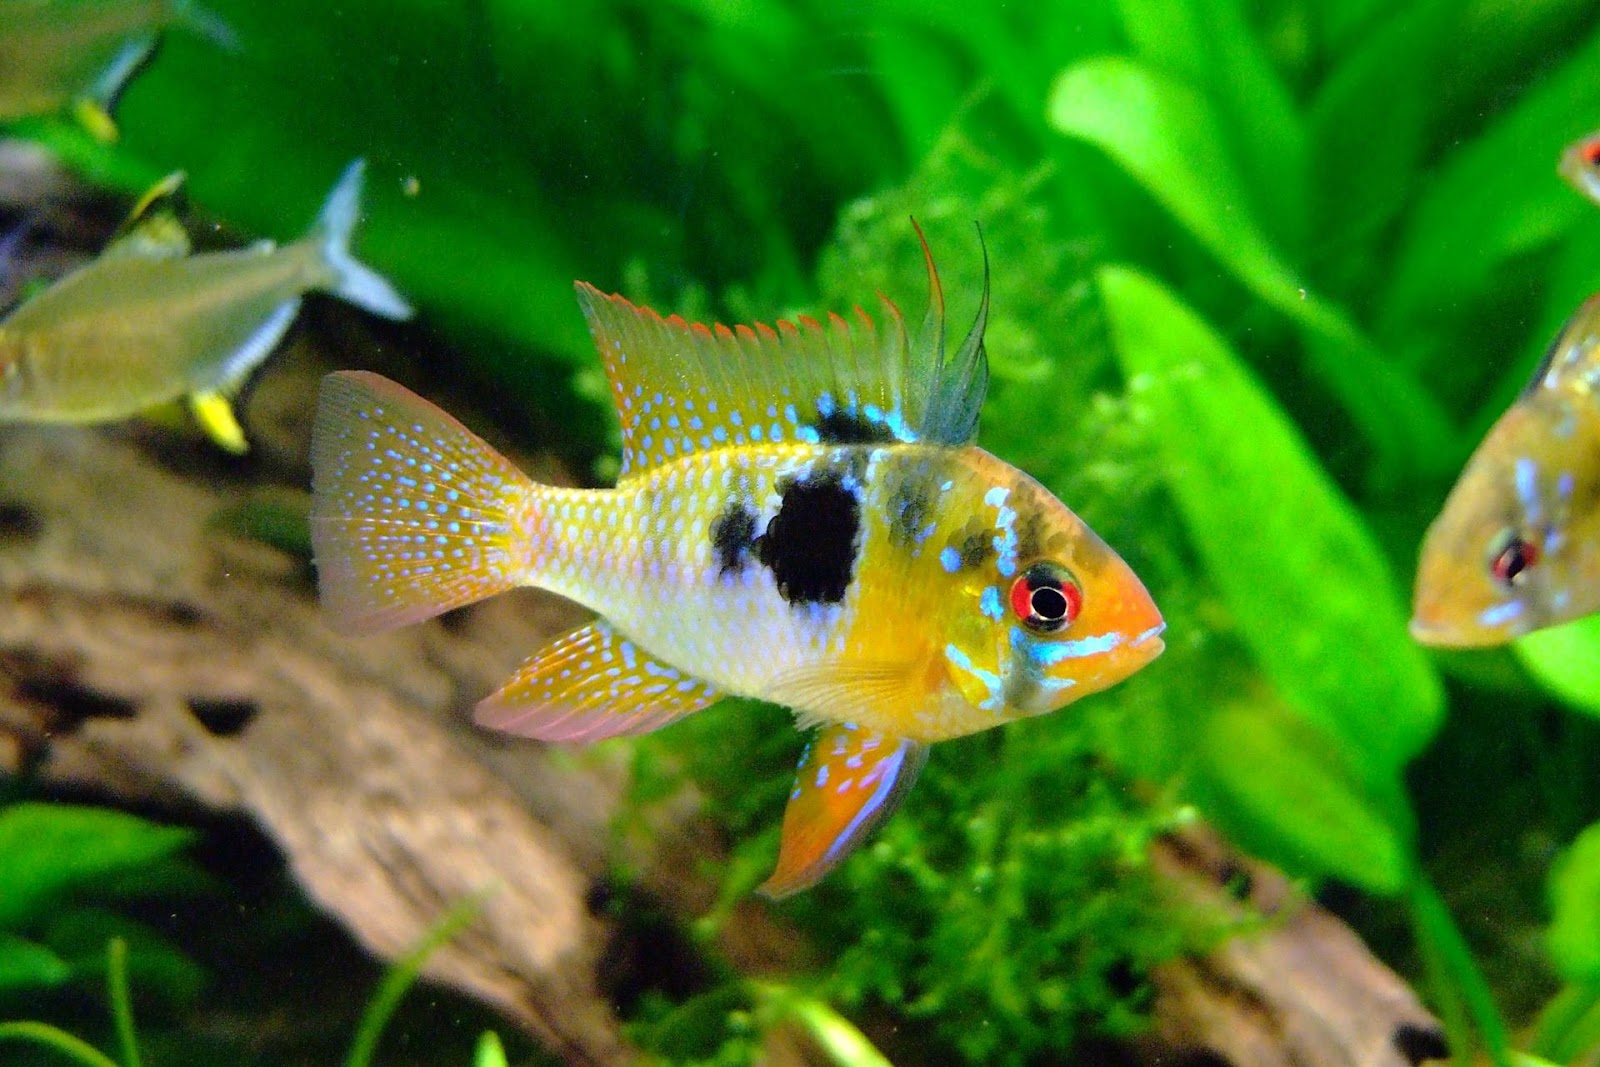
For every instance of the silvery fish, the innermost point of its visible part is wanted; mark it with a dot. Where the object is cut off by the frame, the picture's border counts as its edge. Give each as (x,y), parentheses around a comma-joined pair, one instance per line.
(147,322)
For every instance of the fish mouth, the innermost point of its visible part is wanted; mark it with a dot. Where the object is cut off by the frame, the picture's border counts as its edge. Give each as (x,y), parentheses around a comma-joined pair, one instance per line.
(1444,635)
(1147,645)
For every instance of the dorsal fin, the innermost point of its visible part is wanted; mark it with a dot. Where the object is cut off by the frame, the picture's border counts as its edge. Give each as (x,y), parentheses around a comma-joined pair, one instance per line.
(152,230)
(1573,352)
(682,387)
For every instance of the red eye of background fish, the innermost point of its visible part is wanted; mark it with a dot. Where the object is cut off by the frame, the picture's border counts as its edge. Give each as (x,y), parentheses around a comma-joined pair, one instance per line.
(1591,152)
(1046,598)
(1512,561)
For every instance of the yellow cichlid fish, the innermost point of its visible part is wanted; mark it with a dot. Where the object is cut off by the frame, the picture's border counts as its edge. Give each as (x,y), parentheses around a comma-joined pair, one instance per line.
(801,517)
(147,323)
(1516,547)
(81,53)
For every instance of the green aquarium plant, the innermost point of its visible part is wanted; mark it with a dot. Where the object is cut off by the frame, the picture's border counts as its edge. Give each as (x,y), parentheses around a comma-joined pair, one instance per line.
(1263,274)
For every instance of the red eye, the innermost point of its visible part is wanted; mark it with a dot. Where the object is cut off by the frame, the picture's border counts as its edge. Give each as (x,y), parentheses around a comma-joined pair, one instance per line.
(1591,152)
(1046,598)
(1513,560)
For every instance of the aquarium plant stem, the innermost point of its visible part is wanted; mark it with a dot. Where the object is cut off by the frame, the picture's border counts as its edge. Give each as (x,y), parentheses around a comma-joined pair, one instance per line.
(121,1000)
(48,1036)
(400,978)
(1449,953)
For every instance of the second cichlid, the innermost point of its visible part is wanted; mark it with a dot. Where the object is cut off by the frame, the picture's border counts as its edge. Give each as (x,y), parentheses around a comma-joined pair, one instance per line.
(802,517)
(148,322)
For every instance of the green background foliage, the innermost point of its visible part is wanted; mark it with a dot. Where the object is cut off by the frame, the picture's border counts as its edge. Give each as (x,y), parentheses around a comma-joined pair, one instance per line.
(1264,271)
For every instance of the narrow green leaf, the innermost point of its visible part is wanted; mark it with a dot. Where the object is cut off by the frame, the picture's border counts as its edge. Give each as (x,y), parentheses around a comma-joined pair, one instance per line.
(1495,198)
(46,1036)
(47,849)
(1311,594)
(1566,661)
(1285,789)
(24,964)
(1574,894)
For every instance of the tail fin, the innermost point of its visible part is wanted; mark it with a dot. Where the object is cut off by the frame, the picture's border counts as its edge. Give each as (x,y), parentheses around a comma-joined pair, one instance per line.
(352,280)
(206,24)
(412,514)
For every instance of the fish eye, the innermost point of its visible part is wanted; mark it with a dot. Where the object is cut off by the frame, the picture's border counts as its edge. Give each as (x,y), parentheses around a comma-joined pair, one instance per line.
(1046,597)
(1513,559)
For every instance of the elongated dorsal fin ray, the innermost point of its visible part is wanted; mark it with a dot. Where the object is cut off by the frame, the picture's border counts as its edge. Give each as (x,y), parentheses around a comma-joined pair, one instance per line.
(964,378)
(590,684)
(849,780)
(682,387)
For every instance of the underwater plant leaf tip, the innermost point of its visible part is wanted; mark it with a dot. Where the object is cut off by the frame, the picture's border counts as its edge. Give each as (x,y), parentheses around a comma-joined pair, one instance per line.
(47,1036)
(402,975)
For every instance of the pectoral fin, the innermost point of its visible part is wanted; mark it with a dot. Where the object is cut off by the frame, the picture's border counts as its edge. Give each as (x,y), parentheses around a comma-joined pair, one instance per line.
(214,413)
(850,779)
(591,684)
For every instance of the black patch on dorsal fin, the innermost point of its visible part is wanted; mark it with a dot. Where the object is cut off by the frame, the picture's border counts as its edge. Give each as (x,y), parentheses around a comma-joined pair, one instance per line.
(851,428)
(811,543)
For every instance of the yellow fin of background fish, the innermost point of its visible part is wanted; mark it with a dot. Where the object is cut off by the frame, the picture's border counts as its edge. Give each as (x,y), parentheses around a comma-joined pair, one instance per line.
(215,415)
(849,780)
(382,560)
(591,684)
(93,116)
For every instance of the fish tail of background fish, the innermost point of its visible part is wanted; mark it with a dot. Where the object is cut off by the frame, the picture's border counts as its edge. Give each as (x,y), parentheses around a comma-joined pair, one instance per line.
(206,24)
(412,513)
(350,279)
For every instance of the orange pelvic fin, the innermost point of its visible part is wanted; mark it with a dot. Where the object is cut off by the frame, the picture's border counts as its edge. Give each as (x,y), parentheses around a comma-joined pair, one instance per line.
(591,684)
(850,779)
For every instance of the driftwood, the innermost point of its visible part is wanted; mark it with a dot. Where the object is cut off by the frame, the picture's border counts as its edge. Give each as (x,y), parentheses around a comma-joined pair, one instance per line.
(147,653)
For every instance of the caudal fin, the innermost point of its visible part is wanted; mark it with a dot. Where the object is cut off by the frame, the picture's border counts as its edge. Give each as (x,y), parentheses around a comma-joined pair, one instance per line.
(412,513)
(352,280)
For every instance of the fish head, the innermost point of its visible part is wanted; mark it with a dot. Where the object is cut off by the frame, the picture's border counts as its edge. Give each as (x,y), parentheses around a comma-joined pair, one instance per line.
(1515,546)
(1047,612)
(1580,165)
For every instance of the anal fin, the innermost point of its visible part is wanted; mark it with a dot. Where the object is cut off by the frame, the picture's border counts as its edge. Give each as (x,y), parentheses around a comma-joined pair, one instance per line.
(591,684)
(215,415)
(849,780)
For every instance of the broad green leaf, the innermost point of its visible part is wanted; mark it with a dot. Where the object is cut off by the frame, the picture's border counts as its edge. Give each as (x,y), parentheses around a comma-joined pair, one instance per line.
(1361,181)
(1495,198)
(1566,661)
(1311,594)
(50,849)
(1284,787)
(156,966)
(1574,891)
(1210,45)
(1164,135)
(26,964)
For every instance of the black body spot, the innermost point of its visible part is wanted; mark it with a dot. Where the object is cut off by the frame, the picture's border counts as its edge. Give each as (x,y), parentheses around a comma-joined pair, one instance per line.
(733,534)
(810,544)
(975,549)
(910,510)
(850,428)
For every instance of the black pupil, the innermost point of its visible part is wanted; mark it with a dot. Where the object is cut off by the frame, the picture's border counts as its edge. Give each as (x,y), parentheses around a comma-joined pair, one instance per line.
(1049,603)
(1513,559)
